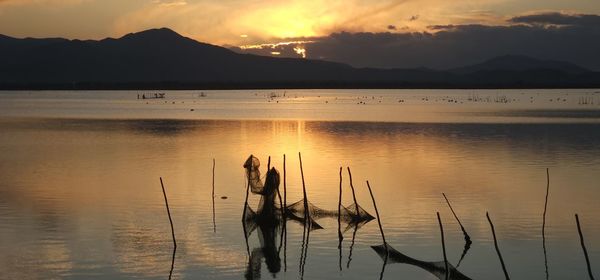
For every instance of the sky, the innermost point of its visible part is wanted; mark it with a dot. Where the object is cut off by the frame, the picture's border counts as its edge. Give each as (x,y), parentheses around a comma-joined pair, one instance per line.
(363,33)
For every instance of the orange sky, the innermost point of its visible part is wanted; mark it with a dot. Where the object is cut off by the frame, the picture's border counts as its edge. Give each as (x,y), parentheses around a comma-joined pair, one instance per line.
(237,22)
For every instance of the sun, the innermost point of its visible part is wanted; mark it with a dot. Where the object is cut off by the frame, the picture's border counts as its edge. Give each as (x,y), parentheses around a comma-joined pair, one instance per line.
(285,21)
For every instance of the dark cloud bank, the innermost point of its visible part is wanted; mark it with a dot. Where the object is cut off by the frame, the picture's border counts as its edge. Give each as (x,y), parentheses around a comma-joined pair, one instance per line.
(554,36)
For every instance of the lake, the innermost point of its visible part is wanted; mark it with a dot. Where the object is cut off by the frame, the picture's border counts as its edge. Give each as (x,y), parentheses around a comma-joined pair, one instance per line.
(80,196)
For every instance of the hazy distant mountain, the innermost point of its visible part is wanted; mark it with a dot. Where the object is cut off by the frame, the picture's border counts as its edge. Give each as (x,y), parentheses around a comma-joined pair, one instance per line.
(520,63)
(161,58)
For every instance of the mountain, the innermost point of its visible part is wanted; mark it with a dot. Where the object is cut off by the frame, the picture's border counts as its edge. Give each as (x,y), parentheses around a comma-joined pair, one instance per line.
(161,58)
(520,63)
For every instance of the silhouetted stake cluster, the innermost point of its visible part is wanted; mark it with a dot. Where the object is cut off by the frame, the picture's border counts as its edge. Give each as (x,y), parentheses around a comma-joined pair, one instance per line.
(398,257)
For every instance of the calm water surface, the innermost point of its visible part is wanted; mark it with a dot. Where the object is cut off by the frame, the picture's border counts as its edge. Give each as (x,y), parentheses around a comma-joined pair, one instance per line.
(80,196)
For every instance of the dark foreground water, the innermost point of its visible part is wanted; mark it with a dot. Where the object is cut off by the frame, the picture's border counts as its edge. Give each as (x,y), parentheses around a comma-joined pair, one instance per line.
(80,197)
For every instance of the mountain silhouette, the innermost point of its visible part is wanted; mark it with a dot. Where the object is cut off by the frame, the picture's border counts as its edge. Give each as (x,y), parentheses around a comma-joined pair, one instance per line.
(161,58)
(520,63)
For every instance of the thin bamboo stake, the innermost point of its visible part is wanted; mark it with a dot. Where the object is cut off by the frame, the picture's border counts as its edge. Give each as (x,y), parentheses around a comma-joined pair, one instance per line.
(544,222)
(213,197)
(306,214)
(353,194)
(465,234)
(443,246)
(467,237)
(585,253)
(168,212)
(339,217)
(378,219)
(246,202)
(496,245)
(284,217)
(284,185)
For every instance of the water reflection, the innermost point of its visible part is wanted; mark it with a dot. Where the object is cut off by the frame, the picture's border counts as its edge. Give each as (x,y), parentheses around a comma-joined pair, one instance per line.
(83,195)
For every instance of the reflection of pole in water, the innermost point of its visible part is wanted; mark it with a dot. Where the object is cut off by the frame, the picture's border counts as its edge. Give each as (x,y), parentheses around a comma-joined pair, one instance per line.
(304,252)
(447,272)
(352,245)
(585,253)
(496,246)
(172,263)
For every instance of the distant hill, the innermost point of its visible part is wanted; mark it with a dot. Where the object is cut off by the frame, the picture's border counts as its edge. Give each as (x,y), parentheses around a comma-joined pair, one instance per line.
(520,63)
(161,58)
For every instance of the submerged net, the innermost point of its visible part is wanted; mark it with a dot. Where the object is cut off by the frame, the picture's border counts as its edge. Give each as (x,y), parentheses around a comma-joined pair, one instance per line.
(438,269)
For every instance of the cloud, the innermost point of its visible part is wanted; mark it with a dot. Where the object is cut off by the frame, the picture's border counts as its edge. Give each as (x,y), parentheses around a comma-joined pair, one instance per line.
(391,27)
(446,46)
(222,22)
(555,18)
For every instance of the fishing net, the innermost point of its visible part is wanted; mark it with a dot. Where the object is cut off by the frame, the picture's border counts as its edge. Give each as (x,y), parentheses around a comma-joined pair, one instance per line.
(438,269)
(269,210)
(252,165)
(351,214)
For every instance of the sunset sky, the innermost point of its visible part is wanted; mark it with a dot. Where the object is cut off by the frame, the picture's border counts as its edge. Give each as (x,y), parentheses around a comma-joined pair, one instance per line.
(245,23)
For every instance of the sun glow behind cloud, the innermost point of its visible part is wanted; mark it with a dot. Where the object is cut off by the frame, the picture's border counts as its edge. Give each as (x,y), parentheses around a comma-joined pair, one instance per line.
(270,20)
(241,22)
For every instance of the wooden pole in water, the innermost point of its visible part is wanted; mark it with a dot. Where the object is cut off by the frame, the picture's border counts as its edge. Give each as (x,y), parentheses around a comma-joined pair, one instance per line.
(340,211)
(246,202)
(306,214)
(467,237)
(353,194)
(168,212)
(585,253)
(339,217)
(496,245)
(213,197)
(284,185)
(378,219)
(544,222)
(443,246)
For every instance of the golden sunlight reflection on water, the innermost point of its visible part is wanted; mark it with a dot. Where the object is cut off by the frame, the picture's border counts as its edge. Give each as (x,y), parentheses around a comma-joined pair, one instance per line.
(81,198)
